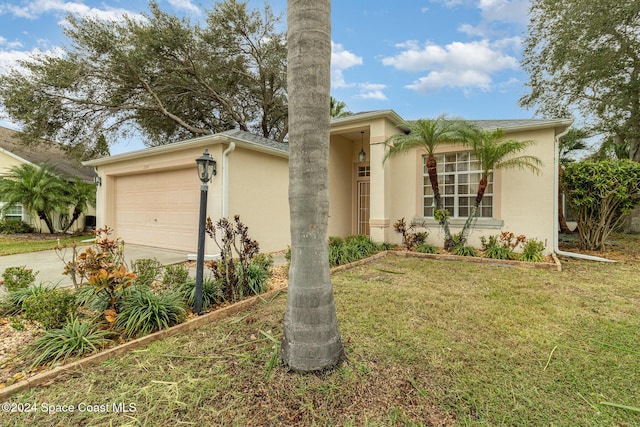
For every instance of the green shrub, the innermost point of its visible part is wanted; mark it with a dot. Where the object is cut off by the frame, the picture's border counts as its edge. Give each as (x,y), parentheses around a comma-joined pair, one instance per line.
(465,251)
(18,277)
(144,312)
(532,251)
(500,252)
(350,249)
(76,338)
(87,297)
(147,270)
(51,309)
(175,274)
(258,276)
(426,248)
(211,292)
(11,226)
(13,301)
(264,261)
(385,246)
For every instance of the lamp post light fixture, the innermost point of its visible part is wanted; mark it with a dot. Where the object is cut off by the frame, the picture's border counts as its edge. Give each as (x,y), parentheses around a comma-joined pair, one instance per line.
(206,171)
(362,156)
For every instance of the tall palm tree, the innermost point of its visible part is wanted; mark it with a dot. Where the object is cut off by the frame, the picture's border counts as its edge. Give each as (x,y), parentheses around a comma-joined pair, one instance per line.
(36,188)
(338,109)
(80,195)
(428,134)
(311,340)
(493,152)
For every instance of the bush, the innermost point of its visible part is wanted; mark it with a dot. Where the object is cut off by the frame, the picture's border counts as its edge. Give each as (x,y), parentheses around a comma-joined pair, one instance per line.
(88,298)
(426,248)
(147,270)
(211,292)
(351,249)
(13,301)
(465,251)
(499,252)
(175,274)
(144,312)
(532,251)
(11,226)
(600,194)
(76,338)
(51,308)
(410,238)
(18,277)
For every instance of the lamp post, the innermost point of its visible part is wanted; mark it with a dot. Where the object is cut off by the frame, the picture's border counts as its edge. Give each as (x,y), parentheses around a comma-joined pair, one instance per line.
(206,171)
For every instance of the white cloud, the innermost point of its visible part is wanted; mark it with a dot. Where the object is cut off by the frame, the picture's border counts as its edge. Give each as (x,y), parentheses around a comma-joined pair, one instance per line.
(9,59)
(34,9)
(185,5)
(505,10)
(10,45)
(341,60)
(458,64)
(372,91)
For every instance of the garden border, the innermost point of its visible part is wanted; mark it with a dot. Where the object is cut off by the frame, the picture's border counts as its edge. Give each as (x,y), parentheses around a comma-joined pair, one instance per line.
(49,376)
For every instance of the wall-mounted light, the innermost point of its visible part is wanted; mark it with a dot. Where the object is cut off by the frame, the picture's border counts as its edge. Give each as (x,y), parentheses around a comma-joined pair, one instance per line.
(97,180)
(362,156)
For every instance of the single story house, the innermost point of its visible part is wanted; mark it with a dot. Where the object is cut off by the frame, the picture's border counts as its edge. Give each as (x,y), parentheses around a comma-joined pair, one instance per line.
(13,153)
(151,196)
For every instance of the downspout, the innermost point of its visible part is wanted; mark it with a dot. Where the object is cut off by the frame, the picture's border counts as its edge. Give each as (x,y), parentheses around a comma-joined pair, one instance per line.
(225,179)
(556,207)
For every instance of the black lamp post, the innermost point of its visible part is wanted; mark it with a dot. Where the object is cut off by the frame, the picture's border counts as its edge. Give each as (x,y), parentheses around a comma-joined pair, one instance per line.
(206,171)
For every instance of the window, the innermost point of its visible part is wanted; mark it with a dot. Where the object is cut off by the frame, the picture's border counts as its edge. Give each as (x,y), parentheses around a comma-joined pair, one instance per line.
(13,213)
(458,178)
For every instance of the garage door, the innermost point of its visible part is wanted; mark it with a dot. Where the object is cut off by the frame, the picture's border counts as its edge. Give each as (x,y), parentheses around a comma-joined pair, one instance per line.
(158,209)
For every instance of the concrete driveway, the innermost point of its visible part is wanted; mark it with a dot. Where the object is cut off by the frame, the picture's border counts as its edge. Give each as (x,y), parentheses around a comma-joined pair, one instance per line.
(50,266)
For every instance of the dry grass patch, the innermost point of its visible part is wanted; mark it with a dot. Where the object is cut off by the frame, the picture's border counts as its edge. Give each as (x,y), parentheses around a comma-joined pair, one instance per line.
(428,343)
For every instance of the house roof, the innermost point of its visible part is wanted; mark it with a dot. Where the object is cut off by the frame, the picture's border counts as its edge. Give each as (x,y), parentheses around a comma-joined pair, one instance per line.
(237,136)
(43,153)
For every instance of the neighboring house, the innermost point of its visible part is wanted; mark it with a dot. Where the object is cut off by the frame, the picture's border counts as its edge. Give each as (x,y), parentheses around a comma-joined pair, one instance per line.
(13,153)
(151,196)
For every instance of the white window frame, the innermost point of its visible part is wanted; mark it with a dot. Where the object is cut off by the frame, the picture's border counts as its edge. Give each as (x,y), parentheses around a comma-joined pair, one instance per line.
(457,171)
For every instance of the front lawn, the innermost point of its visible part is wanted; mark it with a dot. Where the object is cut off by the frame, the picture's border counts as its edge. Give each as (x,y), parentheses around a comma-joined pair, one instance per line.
(11,244)
(428,343)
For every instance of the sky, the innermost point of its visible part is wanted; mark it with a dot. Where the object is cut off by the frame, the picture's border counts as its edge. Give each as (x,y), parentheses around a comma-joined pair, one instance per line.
(420,58)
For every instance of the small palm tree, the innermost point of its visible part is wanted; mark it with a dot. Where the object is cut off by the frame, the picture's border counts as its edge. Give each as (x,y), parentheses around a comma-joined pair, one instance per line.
(338,109)
(80,195)
(428,134)
(493,152)
(36,188)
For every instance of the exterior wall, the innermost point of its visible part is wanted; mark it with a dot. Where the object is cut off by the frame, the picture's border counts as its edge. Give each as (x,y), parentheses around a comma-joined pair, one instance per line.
(258,189)
(341,186)
(259,193)
(523,201)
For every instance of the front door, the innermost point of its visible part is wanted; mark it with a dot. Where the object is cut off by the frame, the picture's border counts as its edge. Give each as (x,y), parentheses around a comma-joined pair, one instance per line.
(363,195)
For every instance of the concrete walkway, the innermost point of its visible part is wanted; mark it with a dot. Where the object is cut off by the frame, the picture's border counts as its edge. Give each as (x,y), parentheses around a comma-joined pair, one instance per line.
(50,266)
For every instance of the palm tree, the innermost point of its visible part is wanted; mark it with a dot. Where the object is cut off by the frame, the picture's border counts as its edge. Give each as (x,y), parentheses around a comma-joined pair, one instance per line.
(36,188)
(311,340)
(80,195)
(338,109)
(493,152)
(428,134)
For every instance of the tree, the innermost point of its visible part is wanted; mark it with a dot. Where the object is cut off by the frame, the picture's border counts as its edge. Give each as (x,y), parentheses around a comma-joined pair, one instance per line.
(571,142)
(600,194)
(338,109)
(80,195)
(160,77)
(311,340)
(37,189)
(493,152)
(584,55)
(428,134)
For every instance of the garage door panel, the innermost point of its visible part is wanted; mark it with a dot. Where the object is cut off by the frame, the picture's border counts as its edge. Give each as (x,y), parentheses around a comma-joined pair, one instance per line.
(158,209)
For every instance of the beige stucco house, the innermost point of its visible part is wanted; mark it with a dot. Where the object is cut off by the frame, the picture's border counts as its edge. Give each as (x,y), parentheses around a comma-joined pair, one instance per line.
(13,153)
(151,196)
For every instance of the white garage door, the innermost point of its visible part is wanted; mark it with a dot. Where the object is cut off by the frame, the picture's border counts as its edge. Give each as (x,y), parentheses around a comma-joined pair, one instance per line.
(158,209)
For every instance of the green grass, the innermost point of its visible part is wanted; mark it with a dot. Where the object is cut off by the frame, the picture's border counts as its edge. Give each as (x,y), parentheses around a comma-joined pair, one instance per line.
(427,342)
(10,245)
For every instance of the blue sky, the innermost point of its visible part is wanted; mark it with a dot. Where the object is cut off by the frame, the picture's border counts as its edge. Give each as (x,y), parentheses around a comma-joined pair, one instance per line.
(419,58)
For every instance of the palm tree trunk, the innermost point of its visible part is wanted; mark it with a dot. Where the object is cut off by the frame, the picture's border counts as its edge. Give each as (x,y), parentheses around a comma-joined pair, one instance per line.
(482,187)
(442,217)
(311,340)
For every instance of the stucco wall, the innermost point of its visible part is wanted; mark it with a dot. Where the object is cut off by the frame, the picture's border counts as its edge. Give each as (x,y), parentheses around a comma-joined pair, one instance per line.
(341,188)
